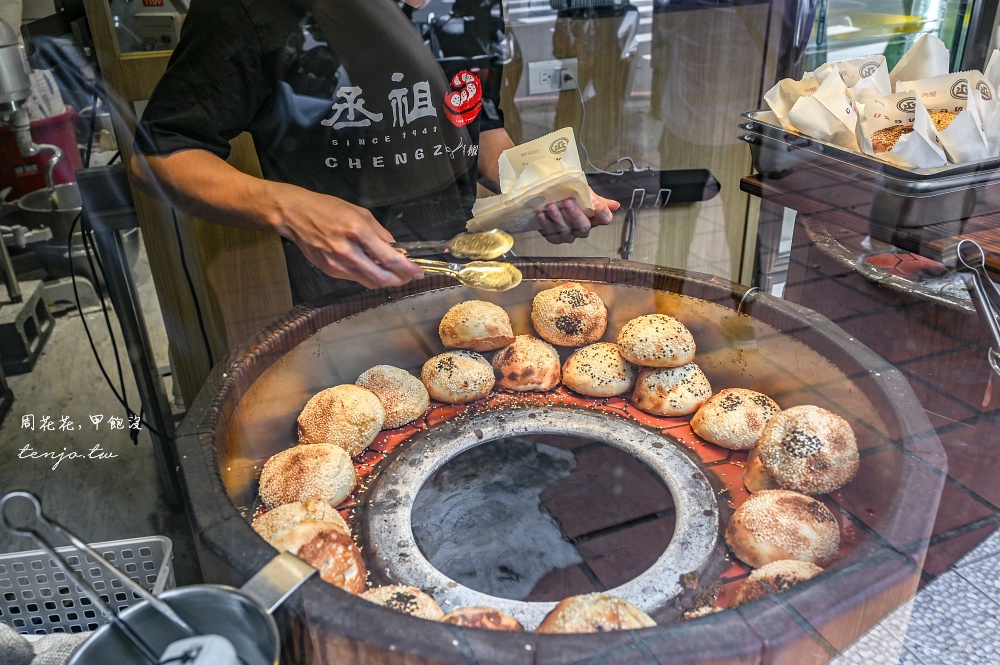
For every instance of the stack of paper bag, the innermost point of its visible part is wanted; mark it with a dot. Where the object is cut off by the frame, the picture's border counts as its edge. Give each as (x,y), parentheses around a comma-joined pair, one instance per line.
(533,175)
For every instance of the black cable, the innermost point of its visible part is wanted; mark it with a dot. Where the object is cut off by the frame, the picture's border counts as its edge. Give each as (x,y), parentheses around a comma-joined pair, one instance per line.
(114,157)
(90,135)
(90,338)
(194,296)
(91,253)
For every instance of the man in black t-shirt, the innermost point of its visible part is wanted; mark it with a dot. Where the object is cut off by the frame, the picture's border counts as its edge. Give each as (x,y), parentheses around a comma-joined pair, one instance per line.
(362,137)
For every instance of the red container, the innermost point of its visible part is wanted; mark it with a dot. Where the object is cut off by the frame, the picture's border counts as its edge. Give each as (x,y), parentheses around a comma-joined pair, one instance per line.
(26,174)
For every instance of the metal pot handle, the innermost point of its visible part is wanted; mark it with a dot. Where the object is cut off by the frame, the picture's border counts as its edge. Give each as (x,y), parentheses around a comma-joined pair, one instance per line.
(273,583)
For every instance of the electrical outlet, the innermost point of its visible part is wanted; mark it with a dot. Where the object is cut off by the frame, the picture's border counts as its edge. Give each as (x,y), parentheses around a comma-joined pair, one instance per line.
(548,76)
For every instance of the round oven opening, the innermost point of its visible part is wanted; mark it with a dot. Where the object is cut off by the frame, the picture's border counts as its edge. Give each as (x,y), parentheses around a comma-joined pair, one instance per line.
(543,516)
(390,511)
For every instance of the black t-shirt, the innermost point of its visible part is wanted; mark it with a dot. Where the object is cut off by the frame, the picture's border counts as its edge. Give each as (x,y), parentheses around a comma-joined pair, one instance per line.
(349,103)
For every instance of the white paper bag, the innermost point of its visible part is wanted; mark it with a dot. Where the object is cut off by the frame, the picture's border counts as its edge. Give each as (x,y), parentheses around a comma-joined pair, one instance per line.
(828,115)
(964,140)
(533,175)
(928,57)
(872,69)
(917,150)
(783,95)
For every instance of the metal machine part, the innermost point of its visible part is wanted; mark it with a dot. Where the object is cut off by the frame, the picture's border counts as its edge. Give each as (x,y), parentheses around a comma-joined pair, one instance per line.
(392,550)
(971,260)
(15,89)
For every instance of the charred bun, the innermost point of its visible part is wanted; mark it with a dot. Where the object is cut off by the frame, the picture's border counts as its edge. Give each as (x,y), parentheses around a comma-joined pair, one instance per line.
(774,577)
(327,549)
(527,364)
(482,617)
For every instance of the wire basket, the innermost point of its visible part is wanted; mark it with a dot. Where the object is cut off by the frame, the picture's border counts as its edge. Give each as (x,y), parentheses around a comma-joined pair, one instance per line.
(37,598)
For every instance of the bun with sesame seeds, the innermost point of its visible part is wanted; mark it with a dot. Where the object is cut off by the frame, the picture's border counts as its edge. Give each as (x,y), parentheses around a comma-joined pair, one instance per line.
(774,577)
(594,613)
(599,370)
(569,315)
(755,476)
(671,391)
(321,470)
(285,516)
(402,395)
(656,340)
(779,524)
(348,416)
(527,364)
(483,617)
(809,449)
(477,325)
(734,418)
(327,549)
(457,377)
(406,599)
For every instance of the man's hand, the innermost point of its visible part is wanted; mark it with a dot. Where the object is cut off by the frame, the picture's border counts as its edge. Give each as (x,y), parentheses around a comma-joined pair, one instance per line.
(566,222)
(341,239)
(344,240)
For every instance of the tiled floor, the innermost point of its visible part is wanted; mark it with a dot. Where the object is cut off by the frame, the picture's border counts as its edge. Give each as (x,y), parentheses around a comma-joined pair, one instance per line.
(954,620)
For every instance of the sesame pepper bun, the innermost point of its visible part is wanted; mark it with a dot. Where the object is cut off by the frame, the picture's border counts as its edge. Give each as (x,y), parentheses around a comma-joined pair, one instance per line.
(656,340)
(569,315)
(406,599)
(477,325)
(348,416)
(778,524)
(402,395)
(483,617)
(734,418)
(320,470)
(527,364)
(774,577)
(809,449)
(594,613)
(457,377)
(671,391)
(599,370)
(269,525)
(327,549)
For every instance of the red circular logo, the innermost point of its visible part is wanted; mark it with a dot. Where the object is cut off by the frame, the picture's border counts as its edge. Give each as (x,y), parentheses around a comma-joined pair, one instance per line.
(465,100)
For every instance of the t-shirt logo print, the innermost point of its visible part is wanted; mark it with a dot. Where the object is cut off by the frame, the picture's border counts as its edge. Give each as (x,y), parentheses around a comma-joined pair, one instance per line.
(465,100)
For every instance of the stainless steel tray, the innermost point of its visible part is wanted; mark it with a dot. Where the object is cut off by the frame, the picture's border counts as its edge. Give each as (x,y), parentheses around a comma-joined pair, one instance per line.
(785,149)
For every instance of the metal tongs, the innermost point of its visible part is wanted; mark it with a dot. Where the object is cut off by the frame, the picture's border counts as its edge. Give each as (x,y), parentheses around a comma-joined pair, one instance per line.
(26,529)
(984,291)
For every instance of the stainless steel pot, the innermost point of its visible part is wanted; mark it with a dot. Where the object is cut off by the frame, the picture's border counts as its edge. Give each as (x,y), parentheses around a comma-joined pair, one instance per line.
(199,624)
(242,616)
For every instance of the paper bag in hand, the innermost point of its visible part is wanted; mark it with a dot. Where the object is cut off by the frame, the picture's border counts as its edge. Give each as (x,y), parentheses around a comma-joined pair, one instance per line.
(533,175)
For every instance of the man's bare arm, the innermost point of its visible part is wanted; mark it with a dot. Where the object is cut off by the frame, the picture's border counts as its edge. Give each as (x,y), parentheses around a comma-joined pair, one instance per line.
(341,239)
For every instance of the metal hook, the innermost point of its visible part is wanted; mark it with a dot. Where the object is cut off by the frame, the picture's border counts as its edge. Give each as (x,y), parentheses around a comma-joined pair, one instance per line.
(748,297)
